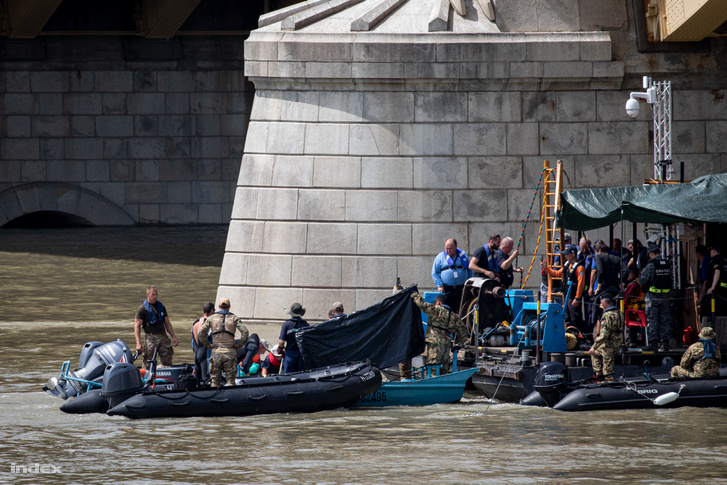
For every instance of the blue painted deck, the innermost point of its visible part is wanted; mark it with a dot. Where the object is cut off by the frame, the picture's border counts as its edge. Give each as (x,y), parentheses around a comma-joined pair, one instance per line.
(423,392)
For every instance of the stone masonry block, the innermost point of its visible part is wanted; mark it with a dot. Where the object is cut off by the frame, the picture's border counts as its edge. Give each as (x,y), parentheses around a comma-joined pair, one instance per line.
(716,132)
(114,81)
(368,139)
(523,138)
(480,205)
(363,272)
(557,15)
(30,171)
(315,51)
(208,103)
(332,238)
(84,148)
(266,105)
(567,70)
(296,171)
(416,270)
(441,107)
(299,105)
(207,125)
(17,81)
(114,103)
(208,192)
(386,172)
(377,70)
(340,106)
(245,203)
(495,172)
(115,126)
(52,148)
(286,69)
(144,81)
(425,205)
(394,51)
(539,106)
(429,239)
(603,15)
(340,172)
(50,104)
(284,138)
(606,69)
(476,138)
(576,106)
(273,303)
(234,125)
(371,205)
(145,103)
(688,136)
(51,126)
(317,271)
(19,103)
(114,148)
(615,137)
(145,193)
(697,165)
(176,103)
(553,51)
(256,169)
(18,126)
(147,170)
(284,237)
(602,170)
(326,139)
(175,81)
(178,214)
(492,106)
(245,236)
(277,204)
(372,236)
(180,192)
(257,137)
(440,172)
(210,147)
(147,148)
(82,82)
(426,139)
(97,171)
(66,171)
(318,301)
(122,170)
(83,104)
(526,70)
(519,203)
(328,70)
(49,81)
(507,51)
(698,105)
(270,269)
(234,269)
(563,138)
(322,205)
(388,106)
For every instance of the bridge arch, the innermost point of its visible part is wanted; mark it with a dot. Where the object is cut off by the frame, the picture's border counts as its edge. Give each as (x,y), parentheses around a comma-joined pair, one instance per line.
(33,197)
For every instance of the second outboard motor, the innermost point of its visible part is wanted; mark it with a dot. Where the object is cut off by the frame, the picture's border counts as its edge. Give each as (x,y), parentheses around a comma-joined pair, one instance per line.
(550,380)
(121,380)
(94,359)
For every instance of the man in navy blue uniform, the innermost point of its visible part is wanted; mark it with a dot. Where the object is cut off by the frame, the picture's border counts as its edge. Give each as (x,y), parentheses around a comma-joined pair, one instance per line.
(483,262)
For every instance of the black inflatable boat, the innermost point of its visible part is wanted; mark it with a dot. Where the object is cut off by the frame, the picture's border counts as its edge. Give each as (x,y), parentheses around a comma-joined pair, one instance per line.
(124,394)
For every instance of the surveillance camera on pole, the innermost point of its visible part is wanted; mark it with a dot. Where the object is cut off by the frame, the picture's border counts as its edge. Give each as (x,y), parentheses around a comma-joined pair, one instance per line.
(632,105)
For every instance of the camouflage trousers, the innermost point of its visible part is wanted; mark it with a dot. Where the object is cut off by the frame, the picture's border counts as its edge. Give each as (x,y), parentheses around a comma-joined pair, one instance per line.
(702,368)
(438,348)
(223,360)
(165,351)
(603,361)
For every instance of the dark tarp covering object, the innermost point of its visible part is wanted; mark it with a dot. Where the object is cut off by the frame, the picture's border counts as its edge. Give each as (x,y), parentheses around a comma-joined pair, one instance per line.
(702,200)
(386,333)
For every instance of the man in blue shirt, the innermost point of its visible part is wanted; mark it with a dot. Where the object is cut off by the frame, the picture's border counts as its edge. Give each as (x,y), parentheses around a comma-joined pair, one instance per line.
(293,360)
(450,271)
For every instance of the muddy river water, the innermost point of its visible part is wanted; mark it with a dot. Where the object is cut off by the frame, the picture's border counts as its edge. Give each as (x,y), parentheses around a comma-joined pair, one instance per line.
(61,288)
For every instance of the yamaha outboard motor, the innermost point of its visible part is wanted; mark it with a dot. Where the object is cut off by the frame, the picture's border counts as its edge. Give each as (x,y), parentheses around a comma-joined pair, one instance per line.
(121,380)
(550,380)
(94,359)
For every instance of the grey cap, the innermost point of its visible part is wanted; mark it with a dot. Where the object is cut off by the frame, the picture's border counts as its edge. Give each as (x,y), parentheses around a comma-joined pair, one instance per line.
(297,310)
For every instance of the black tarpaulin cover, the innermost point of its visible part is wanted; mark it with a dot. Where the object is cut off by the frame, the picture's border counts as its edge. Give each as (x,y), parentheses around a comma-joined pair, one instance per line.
(386,333)
(703,200)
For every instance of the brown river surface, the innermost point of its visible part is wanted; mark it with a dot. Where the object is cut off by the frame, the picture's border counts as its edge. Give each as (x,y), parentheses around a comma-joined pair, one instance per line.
(61,288)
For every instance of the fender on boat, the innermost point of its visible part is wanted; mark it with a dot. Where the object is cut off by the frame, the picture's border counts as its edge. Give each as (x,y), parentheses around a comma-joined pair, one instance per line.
(88,402)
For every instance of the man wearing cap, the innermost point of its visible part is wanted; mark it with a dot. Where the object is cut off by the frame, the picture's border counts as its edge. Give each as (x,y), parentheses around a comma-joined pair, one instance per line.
(336,311)
(450,271)
(273,361)
(289,346)
(153,318)
(701,359)
(574,278)
(656,281)
(224,349)
(441,324)
(717,281)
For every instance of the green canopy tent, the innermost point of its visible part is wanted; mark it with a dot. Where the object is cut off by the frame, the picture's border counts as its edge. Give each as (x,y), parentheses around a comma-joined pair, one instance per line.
(703,200)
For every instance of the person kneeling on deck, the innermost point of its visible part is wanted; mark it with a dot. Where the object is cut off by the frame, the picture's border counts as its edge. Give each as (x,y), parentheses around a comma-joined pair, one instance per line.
(608,341)
(701,359)
(442,322)
(224,350)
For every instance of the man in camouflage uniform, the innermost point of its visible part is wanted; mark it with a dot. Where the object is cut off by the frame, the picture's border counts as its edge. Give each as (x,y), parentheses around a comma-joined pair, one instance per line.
(701,359)
(224,350)
(656,281)
(442,322)
(608,341)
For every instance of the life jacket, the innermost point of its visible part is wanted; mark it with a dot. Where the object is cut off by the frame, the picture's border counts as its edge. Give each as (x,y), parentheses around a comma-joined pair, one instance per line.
(223,331)
(569,270)
(490,259)
(452,263)
(662,282)
(154,318)
(273,360)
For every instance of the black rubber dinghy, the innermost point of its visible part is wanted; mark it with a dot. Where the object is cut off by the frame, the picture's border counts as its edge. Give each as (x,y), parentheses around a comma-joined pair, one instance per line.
(647,394)
(316,390)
